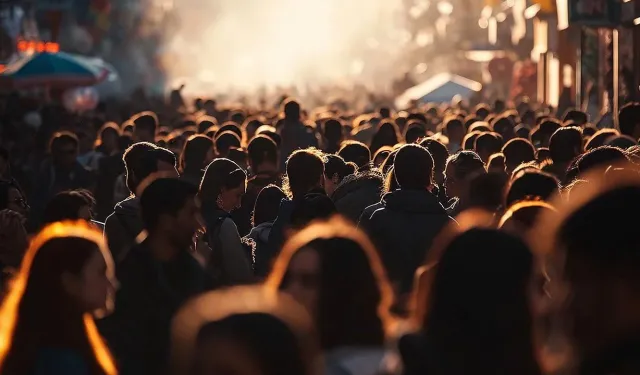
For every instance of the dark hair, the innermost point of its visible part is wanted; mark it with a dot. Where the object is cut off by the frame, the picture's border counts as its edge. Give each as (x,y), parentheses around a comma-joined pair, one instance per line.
(629,118)
(518,151)
(107,127)
(220,173)
(599,156)
(231,126)
(38,313)
(413,165)
(465,164)
(274,136)
(496,161)
(225,140)
(488,272)
(141,160)
(469,140)
(332,130)
(414,132)
(386,135)
(267,204)
(453,124)
(4,154)
(390,182)
(305,168)
(204,123)
(482,110)
(621,141)
(486,190)
(164,196)
(147,121)
(438,151)
(354,293)
(531,184)
(262,149)
(503,126)
(481,126)
(355,152)
(382,153)
(525,213)
(194,153)
(67,204)
(334,165)
(579,117)
(548,127)
(291,110)
(273,345)
(600,138)
(565,144)
(59,139)
(488,143)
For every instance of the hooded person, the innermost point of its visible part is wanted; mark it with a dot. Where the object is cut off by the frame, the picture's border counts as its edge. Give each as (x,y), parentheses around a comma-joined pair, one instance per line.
(124,225)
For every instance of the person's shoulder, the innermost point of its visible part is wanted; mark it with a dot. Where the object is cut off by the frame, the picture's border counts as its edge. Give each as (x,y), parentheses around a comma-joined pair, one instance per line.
(59,361)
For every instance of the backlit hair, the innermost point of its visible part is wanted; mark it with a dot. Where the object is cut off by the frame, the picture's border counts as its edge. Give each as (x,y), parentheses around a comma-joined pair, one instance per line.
(9,309)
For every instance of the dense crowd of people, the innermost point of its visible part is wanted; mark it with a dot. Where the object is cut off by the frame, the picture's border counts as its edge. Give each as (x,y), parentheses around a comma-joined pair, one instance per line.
(440,239)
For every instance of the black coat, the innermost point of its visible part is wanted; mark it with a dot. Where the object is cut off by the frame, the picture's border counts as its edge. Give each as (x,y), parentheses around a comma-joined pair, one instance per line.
(403,231)
(138,332)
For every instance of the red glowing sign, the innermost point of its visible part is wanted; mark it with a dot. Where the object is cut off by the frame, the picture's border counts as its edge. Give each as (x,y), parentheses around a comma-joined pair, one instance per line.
(38,46)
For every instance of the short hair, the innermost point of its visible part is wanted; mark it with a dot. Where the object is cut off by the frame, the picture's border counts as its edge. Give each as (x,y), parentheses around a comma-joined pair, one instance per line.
(164,196)
(194,152)
(599,156)
(438,151)
(231,126)
(629,118)
(291,109)
(304,168)
(334,165)
(262,149)
(413,165)
(454,124)
(503,125)
(621,141)
(518,151)
(525,213)
(481,126)
(469,140)
(204,123)
(496,161)
(58,139)
(465,164)
(488,141)
(565,144)
(141,160)
(332,130)
(356,152)
(146,120)
(531,184)
(579,117)
(267,204)
(414,132)
(66,205)
(549,126)
(225,140)
(600,138)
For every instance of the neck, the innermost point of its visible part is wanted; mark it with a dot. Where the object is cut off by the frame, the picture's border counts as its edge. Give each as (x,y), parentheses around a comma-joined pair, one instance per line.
(161,247)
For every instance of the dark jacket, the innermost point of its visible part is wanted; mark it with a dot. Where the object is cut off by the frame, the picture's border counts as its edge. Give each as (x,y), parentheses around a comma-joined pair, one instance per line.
(151,291)
(122,227)
(278,234)
(403,231)
(233,264)
(357,192)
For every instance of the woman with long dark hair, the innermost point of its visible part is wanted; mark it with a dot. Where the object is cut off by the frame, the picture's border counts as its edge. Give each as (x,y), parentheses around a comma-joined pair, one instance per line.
(478,319)
(223,185)
(47,319)
(334,271)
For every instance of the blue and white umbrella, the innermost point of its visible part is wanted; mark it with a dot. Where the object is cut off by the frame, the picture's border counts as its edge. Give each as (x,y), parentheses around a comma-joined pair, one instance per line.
(52,70)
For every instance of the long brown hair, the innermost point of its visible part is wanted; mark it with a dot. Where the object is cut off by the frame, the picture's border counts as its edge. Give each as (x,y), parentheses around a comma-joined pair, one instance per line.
(38,313)
(355,294)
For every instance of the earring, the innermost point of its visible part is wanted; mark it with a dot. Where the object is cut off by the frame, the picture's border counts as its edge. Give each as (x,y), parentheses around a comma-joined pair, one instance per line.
(219,201)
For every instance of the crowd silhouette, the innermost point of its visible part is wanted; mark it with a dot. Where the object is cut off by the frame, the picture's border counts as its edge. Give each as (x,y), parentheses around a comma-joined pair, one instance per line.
(441,239)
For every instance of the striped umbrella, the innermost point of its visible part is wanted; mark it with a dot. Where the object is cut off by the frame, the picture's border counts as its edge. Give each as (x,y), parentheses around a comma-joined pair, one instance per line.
(53,70)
